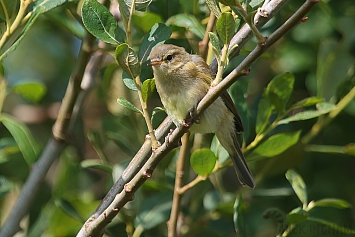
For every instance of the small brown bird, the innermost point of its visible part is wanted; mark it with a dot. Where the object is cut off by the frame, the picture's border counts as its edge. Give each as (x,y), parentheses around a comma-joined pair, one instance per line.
(182,80)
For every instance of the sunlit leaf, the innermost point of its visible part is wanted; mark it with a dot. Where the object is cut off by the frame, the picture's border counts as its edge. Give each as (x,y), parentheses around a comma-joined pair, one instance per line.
(156,36)
(34,92)
(307,102)
(148,87)
(263,116)
(298,185)
(214,7)
(225,27)
(127,58)
(322,108)
(330,202)
(203,161)
(125,103)
(47,5)
(228,2)
(129,82)
(274,145)
(30,149)
(146,20)
(99,21)
(219,150)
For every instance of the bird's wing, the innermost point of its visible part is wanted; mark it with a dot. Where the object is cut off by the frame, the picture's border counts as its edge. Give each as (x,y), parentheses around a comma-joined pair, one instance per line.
(230,105)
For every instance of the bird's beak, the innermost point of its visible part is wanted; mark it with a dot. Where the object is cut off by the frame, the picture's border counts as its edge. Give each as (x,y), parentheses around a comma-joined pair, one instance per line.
(155,63)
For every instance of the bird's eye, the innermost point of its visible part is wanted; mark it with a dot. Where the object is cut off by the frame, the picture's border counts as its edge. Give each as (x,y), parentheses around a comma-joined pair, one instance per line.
(169,57)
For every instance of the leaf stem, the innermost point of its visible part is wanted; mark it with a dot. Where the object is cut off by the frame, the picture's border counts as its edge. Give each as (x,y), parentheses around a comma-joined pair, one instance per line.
(128,30)
(155,143)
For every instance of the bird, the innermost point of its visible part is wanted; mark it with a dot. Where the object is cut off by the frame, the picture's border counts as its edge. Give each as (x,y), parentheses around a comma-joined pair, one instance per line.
(182,80)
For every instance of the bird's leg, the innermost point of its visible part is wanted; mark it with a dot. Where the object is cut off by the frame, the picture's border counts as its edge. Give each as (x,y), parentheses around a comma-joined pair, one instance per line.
(167,139)
(191,118)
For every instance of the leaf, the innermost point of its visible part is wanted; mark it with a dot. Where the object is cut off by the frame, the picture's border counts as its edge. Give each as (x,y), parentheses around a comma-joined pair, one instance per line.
(332,225)
(99,21)
(128,105)
(127,58)
(98,144)
(307,102)
(203,161)
(34,92)
(68,209)
(29,148)
(96,164)
(8,10)
(322,108)
(29,24)
(296,216)
(280,89)
(47,5)
(156,210)
(230,3)
(298,185)
(263,116)
(274,145)
(156,36)
(146,20)
(129,82)
(330,202)
(350,149)
(5,186)
(148,88)
(189,22)
(219,150)
(239,217)
(225,27)
(214,7)
(215,44)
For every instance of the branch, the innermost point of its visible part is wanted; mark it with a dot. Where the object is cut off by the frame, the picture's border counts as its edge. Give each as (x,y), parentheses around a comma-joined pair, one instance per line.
(134,176)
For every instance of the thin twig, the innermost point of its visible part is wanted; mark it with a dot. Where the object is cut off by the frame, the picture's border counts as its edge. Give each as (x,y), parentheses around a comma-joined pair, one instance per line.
(203,45)
(180,171)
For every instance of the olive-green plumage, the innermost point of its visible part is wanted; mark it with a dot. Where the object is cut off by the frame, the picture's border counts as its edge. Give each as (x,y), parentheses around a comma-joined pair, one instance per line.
(182,80)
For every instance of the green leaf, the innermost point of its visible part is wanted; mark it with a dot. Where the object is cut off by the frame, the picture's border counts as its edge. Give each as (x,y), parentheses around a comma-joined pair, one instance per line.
(330,202)
(322,108)
(274,145)
(96,164)
(350,149)
(332,225)
(68,209)
(128,105)
(99,21)
(96,141)
(298,186)
(296,216)
(29,148)
(263,116)
(29,24)
(8,10)
(156,36)
(219,150)
(215,45)
(127,58)
(189,22)
(34,92)
(129,82)
(146,20)
(225,27)
(8,146)
(307,102)
(230,3)
(155,211)
(47,5)
(280,89)
(148,88)
(203,161)
(239,217)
